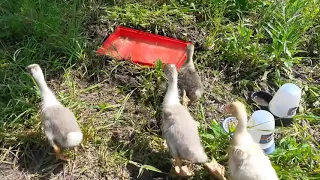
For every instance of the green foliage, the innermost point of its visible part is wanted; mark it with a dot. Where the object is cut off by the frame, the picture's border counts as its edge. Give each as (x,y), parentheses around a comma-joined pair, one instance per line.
(237,42)
(44,32)
(298,156)
(287,22)
(209,135)
(242,44)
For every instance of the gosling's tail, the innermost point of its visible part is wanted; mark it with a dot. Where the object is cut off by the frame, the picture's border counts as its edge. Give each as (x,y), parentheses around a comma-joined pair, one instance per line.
(74,139)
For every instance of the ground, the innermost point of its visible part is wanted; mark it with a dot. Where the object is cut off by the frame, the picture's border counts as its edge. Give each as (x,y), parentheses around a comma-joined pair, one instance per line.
(240,47)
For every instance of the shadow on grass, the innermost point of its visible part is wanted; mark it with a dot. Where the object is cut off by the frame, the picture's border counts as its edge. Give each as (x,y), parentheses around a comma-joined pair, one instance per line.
(35,156)
(147,88)
(139,151)
(146,155)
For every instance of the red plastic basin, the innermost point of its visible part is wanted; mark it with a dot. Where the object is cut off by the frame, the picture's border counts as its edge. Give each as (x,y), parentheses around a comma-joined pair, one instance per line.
(144,48)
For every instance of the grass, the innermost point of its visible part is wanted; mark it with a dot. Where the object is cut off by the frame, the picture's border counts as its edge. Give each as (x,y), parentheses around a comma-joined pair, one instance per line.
(241,46)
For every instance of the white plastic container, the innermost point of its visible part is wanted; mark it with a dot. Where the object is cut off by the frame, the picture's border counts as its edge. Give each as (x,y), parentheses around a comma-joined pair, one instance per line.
(286,101)
(261,126)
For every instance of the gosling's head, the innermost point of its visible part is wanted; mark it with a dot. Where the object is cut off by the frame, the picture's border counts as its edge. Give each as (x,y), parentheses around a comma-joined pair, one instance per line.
(34,70)
(170,70)
(190,48)
(234,108)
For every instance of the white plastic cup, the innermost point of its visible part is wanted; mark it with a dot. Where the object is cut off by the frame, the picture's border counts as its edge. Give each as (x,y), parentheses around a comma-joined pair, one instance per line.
(261,127)
(226,122)
(285,102)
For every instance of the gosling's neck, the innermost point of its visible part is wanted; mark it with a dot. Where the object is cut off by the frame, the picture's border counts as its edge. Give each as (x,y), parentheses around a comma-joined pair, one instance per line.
(189,64)
(189,61)
(241,136)
(172,94)
(242,121)
(47,96)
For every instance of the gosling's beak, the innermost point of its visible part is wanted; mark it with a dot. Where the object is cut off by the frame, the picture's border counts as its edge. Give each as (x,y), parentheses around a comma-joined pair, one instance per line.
(163,65)
(28,70)
(225,109)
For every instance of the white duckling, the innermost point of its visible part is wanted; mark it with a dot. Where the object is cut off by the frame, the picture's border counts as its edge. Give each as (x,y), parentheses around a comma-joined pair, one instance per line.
(59,123)
(246,158)
(178,127)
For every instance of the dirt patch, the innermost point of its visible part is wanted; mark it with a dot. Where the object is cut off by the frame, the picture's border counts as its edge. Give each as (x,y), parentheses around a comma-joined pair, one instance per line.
(10,173)
(308,71)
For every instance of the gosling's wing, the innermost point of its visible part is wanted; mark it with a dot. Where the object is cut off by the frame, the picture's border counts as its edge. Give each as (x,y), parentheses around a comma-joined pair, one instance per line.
(239,155)
(183,135)
(62,121)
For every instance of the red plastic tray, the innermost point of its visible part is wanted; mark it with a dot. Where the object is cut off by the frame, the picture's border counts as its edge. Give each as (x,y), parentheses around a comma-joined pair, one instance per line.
(144,48)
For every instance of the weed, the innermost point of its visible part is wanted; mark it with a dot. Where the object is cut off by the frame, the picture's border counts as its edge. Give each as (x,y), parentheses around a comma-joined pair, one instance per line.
(286,27)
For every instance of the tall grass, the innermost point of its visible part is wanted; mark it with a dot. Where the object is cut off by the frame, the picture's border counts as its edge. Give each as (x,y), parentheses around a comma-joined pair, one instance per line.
(286,24)
(44,32)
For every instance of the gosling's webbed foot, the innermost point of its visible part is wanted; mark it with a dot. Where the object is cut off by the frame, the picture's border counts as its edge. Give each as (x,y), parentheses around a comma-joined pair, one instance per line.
(59,156)
(216,169)
(183,171)
(165,144)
